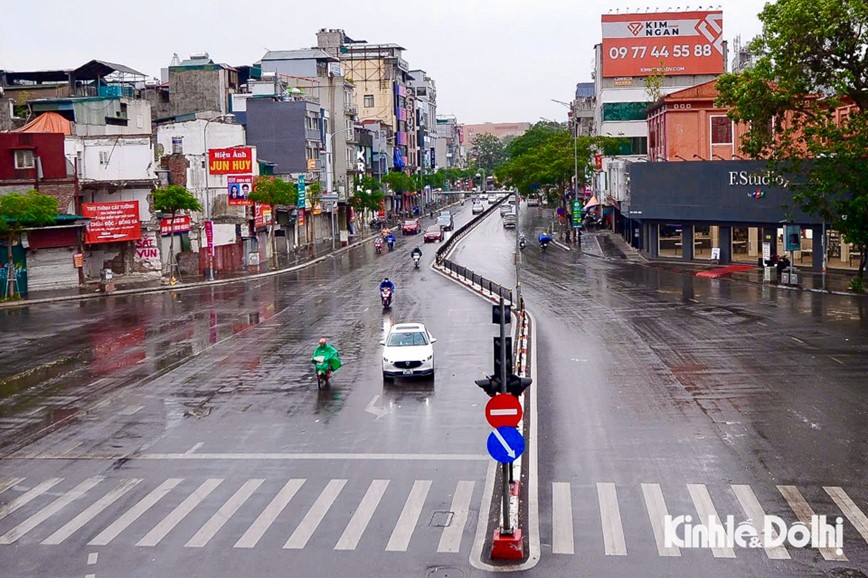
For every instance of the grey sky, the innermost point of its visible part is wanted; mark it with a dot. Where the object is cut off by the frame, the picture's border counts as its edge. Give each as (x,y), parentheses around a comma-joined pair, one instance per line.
(492,60)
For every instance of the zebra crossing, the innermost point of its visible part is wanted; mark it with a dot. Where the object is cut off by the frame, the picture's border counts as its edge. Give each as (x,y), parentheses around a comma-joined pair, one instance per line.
(102,512)
(738,500)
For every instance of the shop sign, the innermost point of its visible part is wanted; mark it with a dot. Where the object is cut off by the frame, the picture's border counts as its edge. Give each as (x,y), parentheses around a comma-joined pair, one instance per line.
(111,222)
(236,160)
(180,224)
(747,178)
(237,189)
(262,215)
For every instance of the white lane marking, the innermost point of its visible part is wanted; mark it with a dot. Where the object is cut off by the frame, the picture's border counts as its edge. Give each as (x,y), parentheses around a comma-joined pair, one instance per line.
(90,576)
(90,512)
(705,508)
(9,482)
(804,512)
(193,449)
(562,519)
(54,507)
(222,515)
(755,513)
(403,531)
(850,510)
(315,515)
(657,512)
(131,410)
(131,515)
(797,340)
(258,528)
(92,558)
(70,448)
(450,539)
(375,409)
(27,496)
(180,512)
(610,514)
(269,457)
(836,360)
(509,451)
(362,517)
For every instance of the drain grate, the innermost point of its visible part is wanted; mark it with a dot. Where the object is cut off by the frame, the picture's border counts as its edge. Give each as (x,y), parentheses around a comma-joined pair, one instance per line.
(444,572)
(440,519)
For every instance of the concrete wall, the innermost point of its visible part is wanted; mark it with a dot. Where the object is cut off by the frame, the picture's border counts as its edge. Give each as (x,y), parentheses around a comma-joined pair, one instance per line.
(193,90)
(277,130)
(112,158)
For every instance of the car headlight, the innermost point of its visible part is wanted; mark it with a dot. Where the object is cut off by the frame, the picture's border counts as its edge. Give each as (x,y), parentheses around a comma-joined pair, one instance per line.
(386,359)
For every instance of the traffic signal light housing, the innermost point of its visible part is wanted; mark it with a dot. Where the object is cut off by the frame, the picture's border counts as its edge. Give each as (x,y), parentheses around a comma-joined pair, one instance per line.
(490,385)
(516,385)
(495,314)
(509,364)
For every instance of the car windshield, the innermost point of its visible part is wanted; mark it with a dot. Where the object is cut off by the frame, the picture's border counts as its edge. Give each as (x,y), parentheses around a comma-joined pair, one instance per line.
(407,339)
(443,220)
(434,229)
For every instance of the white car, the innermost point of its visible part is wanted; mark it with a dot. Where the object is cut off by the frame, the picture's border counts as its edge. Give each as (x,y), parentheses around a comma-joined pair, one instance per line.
(477,208)
(408,351)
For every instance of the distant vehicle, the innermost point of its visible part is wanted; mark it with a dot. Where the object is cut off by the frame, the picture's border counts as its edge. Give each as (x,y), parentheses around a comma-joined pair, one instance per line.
(509,221)
(408,351)
(433,233)
(506,208)
(446,222)
(533,201)
(445,213)
(411,227)
(477,208)
(492,197)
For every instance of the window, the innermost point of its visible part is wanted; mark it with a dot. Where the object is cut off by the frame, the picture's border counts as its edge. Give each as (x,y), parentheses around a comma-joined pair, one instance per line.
(369,101)
(104,157)
(637,145)
(721,130)
(624,110)
(24,159)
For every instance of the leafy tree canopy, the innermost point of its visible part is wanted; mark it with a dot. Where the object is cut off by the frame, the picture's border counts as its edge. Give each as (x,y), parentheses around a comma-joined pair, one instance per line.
(22,210)
(367,195)
(487,151)
(399,182)
(811,62)
(275,191)
(174,198)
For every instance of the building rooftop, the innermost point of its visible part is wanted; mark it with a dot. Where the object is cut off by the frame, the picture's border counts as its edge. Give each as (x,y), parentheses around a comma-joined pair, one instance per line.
(301,54)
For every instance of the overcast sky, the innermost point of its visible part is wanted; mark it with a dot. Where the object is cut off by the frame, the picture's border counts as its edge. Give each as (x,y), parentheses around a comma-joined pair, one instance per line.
(492,60)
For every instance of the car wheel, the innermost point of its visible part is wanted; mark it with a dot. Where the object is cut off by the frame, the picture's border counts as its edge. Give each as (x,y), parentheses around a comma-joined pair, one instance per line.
(387,377)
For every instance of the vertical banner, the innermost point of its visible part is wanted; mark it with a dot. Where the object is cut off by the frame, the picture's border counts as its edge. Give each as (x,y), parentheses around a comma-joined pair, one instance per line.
(577,213)
(301,193)
(209,236)
(792,237)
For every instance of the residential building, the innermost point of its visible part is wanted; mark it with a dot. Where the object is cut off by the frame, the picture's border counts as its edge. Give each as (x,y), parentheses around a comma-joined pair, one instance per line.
(425,91)
(448,146)
(582,110)
(197,84)
(500,130)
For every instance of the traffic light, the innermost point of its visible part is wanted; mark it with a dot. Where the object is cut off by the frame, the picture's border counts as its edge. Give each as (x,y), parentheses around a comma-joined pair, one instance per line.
(509,365)
(490,385)
(516,385)
(495,314)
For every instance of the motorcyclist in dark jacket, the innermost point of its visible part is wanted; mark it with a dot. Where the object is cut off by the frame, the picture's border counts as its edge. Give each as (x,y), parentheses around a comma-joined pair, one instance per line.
(387,284)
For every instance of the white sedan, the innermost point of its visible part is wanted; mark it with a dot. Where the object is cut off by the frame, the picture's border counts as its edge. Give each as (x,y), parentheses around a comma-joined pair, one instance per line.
(408,351)
(477,208)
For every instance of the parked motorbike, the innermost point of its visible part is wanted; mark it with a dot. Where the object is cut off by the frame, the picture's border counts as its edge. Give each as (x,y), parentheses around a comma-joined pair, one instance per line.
(386,297)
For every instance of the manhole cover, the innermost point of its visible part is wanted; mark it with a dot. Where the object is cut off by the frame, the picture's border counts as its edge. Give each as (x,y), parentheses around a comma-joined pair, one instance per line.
(440,519)
(444,572)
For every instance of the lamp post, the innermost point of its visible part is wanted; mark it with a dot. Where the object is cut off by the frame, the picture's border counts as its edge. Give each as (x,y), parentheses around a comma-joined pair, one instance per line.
(209,256)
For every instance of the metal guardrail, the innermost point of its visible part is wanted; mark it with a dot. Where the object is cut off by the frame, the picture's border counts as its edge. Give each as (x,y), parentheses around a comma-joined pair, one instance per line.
(486,284)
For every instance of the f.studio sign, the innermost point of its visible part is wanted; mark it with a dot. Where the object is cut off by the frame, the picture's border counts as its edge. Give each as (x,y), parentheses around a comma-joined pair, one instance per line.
(747,178)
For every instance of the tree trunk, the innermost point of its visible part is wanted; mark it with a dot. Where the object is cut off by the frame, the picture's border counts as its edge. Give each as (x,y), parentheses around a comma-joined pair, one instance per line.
(862,259)
(10,267)
(271,235)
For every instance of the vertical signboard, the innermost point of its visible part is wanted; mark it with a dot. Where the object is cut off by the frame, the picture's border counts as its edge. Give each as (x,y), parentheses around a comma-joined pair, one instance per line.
(209,236)
(671,43)
(302,199)
(577,213)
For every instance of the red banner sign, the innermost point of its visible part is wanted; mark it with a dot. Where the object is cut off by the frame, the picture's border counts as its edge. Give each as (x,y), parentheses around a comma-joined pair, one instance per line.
(238,160)
(262,215)
(237,189)
(678,43)
(177,225)
(112,222)
(209,236)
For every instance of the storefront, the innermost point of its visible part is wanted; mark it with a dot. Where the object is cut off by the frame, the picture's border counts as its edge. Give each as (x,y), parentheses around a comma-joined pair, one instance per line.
(724,210)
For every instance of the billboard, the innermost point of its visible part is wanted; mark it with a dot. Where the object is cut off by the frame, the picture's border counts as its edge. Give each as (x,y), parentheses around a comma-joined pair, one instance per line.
(236,160)
(111,222)
(237,189)
(679,42)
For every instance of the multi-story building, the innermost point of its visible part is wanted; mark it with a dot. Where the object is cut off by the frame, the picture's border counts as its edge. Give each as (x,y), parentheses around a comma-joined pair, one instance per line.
(582,110)
(425,91)
(447,151)
(197,84)
(500,130)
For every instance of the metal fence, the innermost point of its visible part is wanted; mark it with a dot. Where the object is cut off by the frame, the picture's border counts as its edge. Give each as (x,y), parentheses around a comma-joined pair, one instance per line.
(486,284)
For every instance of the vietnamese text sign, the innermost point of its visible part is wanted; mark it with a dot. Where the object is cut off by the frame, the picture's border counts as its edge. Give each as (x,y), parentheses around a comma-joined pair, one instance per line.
(180,224)
(262,215)
(577,213)
(209,236)
(678,42)
(300,202)
(237,189)
(111,222)
(237,160)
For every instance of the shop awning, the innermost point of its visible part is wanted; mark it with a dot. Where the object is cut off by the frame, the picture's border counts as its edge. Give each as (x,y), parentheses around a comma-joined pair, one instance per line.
(592,202)
(47,122)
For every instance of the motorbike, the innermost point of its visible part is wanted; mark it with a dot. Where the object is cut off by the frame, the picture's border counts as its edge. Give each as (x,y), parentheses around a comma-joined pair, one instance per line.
(326,361)
(522,242)
(544,241)
(378,245)
(390,241)
(386,297)
(416,261)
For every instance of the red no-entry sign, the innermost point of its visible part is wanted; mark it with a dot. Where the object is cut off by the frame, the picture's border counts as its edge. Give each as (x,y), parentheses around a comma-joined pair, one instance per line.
(503,410)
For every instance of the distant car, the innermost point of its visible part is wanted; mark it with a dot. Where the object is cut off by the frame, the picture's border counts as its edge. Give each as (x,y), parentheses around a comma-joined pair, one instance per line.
(492,197)
(446,222)
(506,208)
(533,202)
(509,221)
(477,208)
(433,233)
(411,227)
(408,351)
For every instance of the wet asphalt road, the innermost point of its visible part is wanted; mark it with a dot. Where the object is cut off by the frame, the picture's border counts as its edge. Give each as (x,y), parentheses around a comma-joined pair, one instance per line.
(200,404)
(660,391)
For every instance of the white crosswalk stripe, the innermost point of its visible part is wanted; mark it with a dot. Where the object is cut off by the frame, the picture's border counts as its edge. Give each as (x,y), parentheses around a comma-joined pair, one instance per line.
(362,517)
(314,516)
(610,514)
(160,531)
(850,510)
(657,512)
(28,496)
(403,531)
(804,512)
(9,483)
(256,530)
(705,508)
(755,513)
(221,516)
(450,539)
(54,507)
(562,519)
(86,516)
(105,537)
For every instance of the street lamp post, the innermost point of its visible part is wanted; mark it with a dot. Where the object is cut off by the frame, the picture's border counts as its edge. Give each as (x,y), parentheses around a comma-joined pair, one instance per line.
(209,255)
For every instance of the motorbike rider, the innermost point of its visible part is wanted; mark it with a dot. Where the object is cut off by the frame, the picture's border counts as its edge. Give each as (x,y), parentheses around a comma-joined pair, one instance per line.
(544,238)
(387,284)
(329,354)
(390,240)
(416,251)
(378,244)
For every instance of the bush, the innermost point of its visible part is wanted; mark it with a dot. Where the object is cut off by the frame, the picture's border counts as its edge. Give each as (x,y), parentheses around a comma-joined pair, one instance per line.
(857,285)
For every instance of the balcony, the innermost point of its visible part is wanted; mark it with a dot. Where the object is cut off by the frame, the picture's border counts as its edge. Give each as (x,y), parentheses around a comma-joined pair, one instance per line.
(350,109)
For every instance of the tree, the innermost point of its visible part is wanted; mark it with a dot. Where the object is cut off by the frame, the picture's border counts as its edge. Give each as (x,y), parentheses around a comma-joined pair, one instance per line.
(806,102)
(274,191)
(368,196)
(399,182)
(172,199)
(487,150)
(19,211)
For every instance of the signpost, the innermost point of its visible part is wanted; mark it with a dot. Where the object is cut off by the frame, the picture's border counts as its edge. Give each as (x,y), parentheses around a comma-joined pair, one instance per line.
(577,213)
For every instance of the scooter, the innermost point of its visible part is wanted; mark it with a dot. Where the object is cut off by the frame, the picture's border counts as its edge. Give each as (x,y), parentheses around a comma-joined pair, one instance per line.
(323,371)
(390,241)
(386,297)
(522,242)
(544,241)
(378,245)
(416,261)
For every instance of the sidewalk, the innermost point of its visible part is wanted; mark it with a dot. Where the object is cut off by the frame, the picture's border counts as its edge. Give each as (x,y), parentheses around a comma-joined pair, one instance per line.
(612,246)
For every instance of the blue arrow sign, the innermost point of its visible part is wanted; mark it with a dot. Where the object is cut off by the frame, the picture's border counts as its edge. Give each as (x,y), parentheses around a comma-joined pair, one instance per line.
(505,444)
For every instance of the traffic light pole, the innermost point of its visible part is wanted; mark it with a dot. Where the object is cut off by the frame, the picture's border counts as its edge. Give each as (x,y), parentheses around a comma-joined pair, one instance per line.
(506,528)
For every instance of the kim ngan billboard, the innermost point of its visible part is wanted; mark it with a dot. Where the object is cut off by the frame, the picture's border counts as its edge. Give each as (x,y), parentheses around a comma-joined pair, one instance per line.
(674,43)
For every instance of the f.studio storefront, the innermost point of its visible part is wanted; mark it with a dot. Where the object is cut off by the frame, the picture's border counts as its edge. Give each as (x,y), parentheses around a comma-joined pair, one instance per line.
(724,210)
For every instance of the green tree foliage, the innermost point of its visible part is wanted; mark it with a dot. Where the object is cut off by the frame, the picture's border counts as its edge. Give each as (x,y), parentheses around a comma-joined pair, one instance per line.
(172,199)
(19,211)
(399,182)
(487,151)
(811,61)
(367,196)
(274,191)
